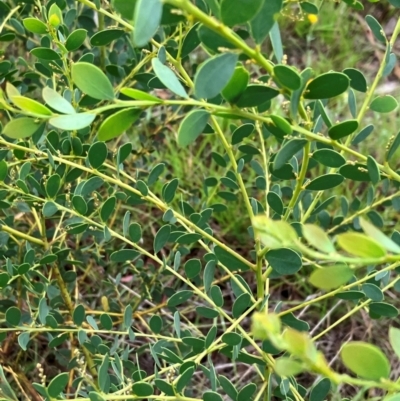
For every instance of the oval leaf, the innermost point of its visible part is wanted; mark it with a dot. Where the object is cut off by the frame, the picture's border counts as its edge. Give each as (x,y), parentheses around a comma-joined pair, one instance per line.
(56,101)
(72,122)
(116,124)
(360,245)
(168,78)
(192,126)
(327,85)
(147,18)
(324,182)
(384,104)
(330,278)
(365,360)
(92,81)
(235,12)
(288,151)
(214,74)
(23,127)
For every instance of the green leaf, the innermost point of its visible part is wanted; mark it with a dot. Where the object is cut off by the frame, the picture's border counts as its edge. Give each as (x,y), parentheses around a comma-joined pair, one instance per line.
(125,8)
(23,127)
(264,20)
(147,18)
(240,305)
(214,74)
(287,76)
(79,204)
(105,37)
(284,261)
(124,255)
(168,78)
(231,339)
(135,232)
(212,41)
(236,12)
(320,391)
(53,185)
(275,202)
(49,209)
(288,150)
(185,378)
(45,53)
(325,182)
(282,124)
(365,360)
(58,384)
(211,396)
(34,25)
(329,158)
(97,154)
(208,313)
(343,129)
(56,101)
(108,208)
(384,104)
(355,171)
(179,298)
(373,292)
(255,95)
(376,28)
(3,170)
(72,122)
(327,85)
(94,396)
(394,338)
(161,238)
(76,39)
(128,316)
(285,366)
(23,340)
(247,392)
(242,132)
(382,309)
(92,81)
(309,8)
(79,315)
(156,324)
(274,233)
(236,85)
(13,316)
(140,95)
(116,124)
(329,278)
(142,389)
(360,245)
(379,236)
(357,79)
(229,260)
(317,238)
(192,126)
(373,170)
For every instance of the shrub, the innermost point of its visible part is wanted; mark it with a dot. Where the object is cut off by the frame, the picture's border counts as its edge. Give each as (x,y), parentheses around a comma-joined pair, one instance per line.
(139,138)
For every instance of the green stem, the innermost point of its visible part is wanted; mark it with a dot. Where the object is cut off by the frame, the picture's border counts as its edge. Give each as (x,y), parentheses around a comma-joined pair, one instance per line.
(299,181)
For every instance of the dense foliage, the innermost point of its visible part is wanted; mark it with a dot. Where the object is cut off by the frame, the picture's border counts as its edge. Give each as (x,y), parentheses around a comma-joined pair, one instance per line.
(186,213)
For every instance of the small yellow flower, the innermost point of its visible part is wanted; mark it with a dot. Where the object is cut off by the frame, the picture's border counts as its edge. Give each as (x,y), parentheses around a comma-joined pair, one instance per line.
(312,18)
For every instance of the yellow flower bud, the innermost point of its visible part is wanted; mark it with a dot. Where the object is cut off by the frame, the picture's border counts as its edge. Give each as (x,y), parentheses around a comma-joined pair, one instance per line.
(54,20)
(312,18)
